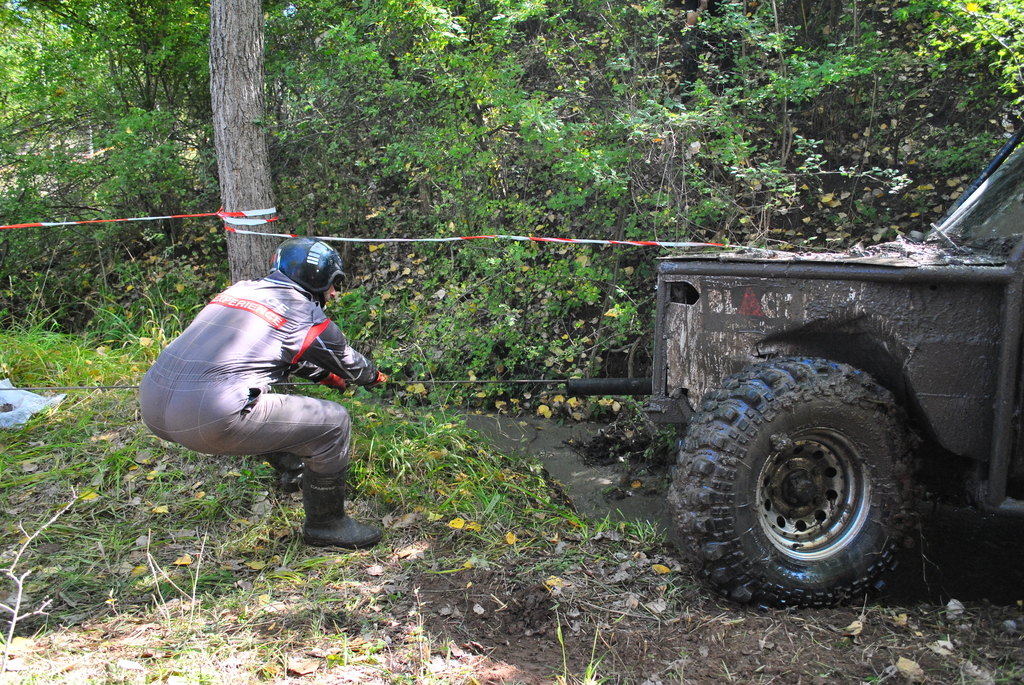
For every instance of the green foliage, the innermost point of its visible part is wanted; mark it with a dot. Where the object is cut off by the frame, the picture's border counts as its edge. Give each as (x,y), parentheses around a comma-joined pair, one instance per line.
(992,31)
(768,124)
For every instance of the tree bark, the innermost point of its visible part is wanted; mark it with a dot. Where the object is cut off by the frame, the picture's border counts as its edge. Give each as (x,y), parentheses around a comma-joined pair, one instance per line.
(238,99)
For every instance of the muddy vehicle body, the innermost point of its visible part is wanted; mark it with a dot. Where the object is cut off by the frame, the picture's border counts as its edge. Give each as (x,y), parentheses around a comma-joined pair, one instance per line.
(824,394)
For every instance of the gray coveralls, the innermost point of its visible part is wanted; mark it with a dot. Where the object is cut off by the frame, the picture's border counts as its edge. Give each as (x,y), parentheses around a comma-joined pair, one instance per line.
(209,389)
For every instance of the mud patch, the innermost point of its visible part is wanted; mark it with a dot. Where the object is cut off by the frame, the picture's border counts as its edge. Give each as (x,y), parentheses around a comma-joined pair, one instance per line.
(605,469)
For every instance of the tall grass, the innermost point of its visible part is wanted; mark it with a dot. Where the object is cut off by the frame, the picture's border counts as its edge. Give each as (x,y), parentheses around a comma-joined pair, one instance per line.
(194,543)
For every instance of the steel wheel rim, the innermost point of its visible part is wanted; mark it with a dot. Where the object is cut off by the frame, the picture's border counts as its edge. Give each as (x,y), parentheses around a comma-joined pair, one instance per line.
(813,495)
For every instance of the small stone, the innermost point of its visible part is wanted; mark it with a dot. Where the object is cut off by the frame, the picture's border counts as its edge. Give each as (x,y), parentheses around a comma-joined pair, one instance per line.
(1009,627)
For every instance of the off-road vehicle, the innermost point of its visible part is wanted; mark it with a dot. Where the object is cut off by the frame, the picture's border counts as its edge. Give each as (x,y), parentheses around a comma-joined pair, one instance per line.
(821,390)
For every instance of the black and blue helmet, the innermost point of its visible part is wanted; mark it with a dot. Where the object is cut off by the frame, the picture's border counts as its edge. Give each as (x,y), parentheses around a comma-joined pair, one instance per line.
(311,263)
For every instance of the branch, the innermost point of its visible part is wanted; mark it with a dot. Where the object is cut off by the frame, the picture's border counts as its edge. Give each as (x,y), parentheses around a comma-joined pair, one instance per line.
(19,584)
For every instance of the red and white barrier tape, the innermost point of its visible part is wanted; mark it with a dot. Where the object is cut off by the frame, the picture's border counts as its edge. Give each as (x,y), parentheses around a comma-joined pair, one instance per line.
(233,217)
(537,239)
(250,218)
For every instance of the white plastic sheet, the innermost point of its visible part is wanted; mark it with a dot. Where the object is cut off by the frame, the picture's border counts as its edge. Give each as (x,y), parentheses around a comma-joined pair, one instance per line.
(17,406)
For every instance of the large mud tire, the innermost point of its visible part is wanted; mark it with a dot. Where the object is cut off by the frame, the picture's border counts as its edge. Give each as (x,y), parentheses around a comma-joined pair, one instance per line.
(793,484)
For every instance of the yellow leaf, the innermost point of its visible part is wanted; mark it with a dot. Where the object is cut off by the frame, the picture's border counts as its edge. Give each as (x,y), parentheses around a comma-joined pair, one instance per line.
(20,645)
(854,629)
(825,199)
(372,248)
(180,287)
(432,516)
(474,526)
(417,388)
(544,410)
(256,565)
(554,581)
(184,560)
(162,509)
(660,569)
(468,564)
(457,524)
(973,7)
(910,668)
(511,538)
(636,484)
(138,570)
(89,496)
(145,342)
(612,313)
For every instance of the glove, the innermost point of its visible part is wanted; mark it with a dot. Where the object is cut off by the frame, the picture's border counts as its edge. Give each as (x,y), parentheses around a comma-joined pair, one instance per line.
(380,380)
(334,381)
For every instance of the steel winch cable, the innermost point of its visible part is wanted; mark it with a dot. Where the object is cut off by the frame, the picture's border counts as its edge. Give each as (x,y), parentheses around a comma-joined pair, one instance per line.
(535,381)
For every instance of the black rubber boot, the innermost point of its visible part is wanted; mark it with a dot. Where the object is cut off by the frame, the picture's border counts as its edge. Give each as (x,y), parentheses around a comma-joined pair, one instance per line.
(289,466)
(327,525)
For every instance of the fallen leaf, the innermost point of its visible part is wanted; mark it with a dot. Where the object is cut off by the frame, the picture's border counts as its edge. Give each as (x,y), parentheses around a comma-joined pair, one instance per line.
(658,606)
(660,569)
(474,526)
(980,675)
(302,666)
(184,560)
(457,524)
(910,668)
(554,581)
(403,521)
(256,565)
(411,552)
(510,538)
(20,645)
(854,629)
(162,509)
(942,647)
(130,665)
(375,570)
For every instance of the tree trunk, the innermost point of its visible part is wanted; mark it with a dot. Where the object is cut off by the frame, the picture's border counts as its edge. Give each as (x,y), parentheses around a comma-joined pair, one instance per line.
(238,99)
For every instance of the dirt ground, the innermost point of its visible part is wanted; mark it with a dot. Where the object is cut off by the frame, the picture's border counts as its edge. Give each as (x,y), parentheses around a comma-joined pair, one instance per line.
(950,613)
(622,609)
